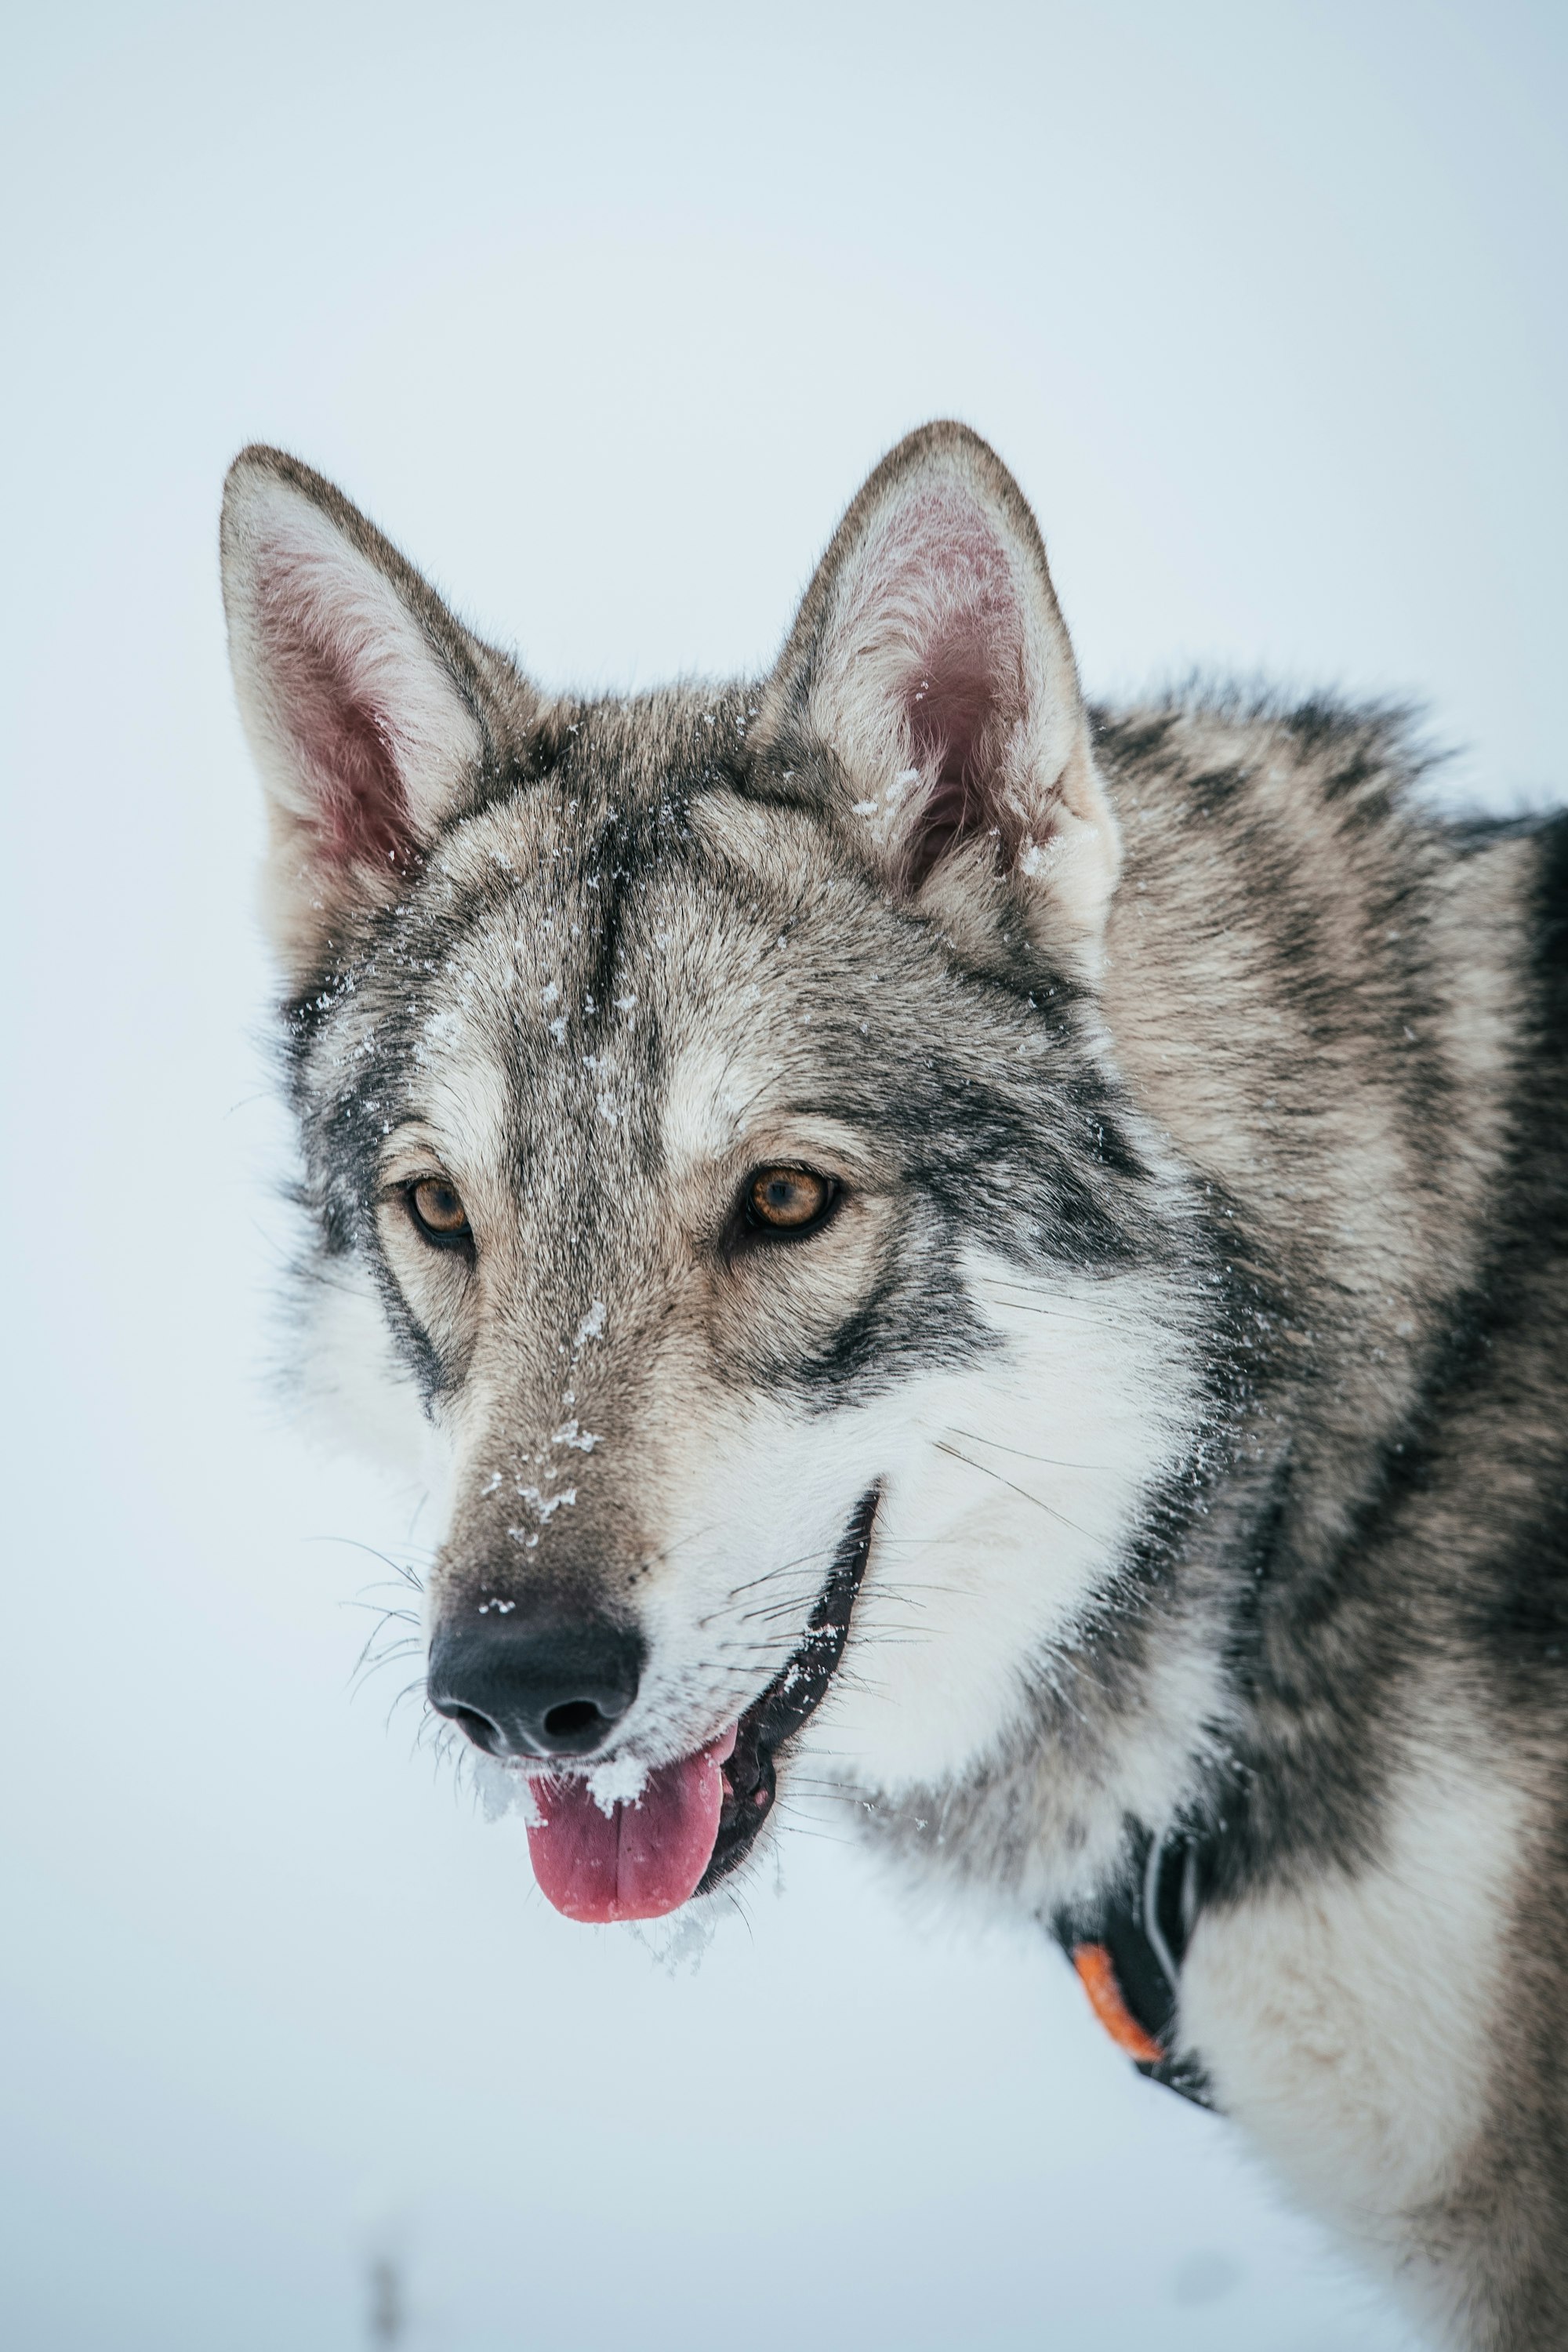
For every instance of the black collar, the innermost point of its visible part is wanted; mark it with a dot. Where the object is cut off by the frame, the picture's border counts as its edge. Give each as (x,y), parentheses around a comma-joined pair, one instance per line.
(1128,1947)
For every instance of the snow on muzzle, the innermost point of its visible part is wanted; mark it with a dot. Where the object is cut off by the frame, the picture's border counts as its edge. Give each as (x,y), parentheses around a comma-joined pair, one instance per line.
(599,1858)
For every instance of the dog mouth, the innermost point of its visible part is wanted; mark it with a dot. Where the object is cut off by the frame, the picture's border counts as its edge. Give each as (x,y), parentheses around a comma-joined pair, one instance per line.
(695,1820)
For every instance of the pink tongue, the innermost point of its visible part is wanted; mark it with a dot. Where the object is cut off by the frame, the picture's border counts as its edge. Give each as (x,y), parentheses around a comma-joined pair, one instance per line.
(637,1861)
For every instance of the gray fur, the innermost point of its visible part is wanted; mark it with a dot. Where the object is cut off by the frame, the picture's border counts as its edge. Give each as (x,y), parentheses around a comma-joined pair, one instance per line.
(1189,1023)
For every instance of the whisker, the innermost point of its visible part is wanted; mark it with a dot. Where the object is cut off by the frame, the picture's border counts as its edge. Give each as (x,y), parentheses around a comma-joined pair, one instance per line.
(801,1559)
(798,1827)
(369,1663)
(1111,1319)
(407,1575)
(417,1685)
(1050,1508)
(786,1609)
(1105,1469)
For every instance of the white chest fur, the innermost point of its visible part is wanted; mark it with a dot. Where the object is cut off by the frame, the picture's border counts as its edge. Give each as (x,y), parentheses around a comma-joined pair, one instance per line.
(1348,2024)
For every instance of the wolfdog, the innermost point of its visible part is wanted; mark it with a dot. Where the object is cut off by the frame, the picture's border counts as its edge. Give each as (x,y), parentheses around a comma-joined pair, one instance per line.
(1014,1250)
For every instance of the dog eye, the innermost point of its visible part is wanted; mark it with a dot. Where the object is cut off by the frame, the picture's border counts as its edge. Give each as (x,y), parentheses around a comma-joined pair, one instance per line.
(788,1199)
(437,1208)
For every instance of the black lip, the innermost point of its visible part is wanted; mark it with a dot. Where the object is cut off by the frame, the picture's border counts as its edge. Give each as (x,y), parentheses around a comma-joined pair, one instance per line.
(789,1699)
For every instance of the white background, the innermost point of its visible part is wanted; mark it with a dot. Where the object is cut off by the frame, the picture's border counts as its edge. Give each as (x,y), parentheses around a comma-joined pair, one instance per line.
(603,312)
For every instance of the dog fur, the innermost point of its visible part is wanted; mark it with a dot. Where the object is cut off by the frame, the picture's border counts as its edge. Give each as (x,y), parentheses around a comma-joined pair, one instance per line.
(1193,1302)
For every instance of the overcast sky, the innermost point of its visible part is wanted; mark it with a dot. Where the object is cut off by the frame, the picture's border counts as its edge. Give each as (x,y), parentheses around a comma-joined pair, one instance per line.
(602,312)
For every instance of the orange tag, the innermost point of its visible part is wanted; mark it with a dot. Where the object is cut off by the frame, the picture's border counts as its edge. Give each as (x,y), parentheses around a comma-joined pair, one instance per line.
(1098,1976)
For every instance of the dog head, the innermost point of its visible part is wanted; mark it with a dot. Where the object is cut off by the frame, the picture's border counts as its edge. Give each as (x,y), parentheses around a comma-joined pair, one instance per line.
(709,1090)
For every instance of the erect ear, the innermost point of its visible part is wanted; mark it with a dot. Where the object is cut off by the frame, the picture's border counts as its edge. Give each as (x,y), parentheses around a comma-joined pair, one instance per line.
(930,663)
(363,699)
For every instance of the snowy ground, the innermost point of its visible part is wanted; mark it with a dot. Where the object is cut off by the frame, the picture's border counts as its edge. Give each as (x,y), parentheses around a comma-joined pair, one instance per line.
(604,311)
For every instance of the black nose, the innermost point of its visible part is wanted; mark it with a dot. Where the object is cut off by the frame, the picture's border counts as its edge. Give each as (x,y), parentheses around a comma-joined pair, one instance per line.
(538,1686)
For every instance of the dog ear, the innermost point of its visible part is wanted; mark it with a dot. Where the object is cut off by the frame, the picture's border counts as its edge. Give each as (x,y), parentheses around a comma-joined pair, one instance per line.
(363,699)
(930,674)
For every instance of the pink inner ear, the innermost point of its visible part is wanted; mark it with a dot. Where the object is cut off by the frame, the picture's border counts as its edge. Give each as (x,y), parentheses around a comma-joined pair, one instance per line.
(951,707)
(361,810)
(943,570)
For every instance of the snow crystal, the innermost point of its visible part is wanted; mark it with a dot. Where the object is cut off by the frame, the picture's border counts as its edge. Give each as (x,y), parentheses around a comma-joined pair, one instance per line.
(590,1327)
(584,1440)
(546,1506)
(618,1780)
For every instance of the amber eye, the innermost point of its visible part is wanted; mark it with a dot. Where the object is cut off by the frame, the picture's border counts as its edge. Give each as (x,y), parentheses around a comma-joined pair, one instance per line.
(788,1199)
(438,1209)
